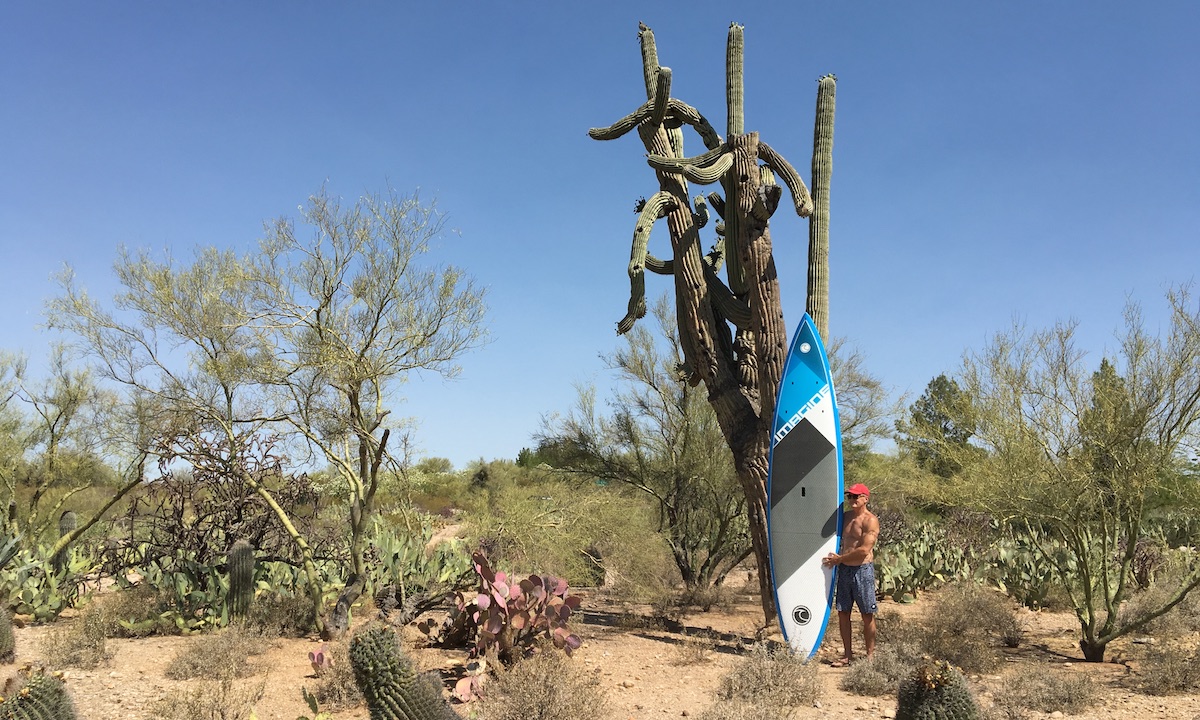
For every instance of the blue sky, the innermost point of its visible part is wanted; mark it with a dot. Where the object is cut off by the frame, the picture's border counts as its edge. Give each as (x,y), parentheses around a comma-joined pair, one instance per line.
(991,161)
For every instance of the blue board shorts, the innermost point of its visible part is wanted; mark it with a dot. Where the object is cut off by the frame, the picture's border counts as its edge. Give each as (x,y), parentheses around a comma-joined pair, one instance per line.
(856,586)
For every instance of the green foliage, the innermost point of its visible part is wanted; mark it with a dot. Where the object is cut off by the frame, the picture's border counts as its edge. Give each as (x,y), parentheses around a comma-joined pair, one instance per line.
(938,428)
(241,578)
(936,691)
(545,686)
(406,576)
(29,584)
(38,696)
(390,685)
(920,558)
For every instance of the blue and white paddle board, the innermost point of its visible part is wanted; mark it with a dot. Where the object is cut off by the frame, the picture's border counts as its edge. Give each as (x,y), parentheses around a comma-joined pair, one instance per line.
(804,489)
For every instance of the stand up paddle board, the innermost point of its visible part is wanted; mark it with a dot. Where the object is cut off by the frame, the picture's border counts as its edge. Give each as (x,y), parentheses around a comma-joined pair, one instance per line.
(804,488)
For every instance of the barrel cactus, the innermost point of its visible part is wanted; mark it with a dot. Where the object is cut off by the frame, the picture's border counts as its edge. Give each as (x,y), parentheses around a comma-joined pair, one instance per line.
(241,578)
(936,691)
(39,697)
(7,639)
(388,681)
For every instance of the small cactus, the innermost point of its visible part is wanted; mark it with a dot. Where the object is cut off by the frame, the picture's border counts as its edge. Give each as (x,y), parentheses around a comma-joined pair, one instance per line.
(389,683)
(936,691)
(7,639)
(67,522)
(39,697)
(241,578)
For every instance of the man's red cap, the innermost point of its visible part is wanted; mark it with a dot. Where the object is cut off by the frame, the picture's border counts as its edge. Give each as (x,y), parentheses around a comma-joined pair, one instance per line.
(859,489)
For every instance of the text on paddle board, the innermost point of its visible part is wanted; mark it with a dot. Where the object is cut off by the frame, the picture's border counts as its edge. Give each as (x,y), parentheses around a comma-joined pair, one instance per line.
(787,427)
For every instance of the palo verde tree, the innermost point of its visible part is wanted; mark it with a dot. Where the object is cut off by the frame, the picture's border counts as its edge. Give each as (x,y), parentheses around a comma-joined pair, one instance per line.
(1084,457)
(663,441)
(352,312)
(731,332)
(940,418)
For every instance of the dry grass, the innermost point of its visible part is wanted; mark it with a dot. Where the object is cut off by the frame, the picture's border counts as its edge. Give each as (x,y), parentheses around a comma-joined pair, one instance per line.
(1044,692)
(695,648)
(771,678)
(1169,669)
(82,643)
(882,672)
(546,686)
(213,700)
(965,625)
(220,655)
(731,710)
(337,689)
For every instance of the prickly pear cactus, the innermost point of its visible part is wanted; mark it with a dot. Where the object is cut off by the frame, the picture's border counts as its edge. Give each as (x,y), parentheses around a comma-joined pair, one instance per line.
(7,639)
(937,691)
(389,683)
(241,578)
(41,697)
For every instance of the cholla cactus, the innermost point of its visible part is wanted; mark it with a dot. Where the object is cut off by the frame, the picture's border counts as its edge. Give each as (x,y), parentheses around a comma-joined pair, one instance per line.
(937,691)
(390,685)
(38,696)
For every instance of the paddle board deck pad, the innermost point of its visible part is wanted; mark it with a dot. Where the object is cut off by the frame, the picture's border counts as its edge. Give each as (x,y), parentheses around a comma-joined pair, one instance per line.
(804,488)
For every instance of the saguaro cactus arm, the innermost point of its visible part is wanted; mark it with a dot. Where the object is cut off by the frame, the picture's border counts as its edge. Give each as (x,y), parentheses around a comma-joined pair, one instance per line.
(652,210)
(782,168)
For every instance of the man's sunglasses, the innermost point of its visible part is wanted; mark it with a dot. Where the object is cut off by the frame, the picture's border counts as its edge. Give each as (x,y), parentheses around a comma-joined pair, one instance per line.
(852,496)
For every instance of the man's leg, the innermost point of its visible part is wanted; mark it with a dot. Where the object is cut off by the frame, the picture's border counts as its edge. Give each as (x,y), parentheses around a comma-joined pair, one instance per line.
(844,625)
(869,632)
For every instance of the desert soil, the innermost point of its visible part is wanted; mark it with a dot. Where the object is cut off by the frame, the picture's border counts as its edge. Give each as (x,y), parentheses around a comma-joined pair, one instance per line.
(646,671)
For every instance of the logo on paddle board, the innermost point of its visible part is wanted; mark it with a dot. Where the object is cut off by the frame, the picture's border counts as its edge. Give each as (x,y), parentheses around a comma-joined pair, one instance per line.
(801,615)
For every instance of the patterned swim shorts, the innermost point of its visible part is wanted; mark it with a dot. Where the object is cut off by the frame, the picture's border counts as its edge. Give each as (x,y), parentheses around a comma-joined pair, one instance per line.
(856,585)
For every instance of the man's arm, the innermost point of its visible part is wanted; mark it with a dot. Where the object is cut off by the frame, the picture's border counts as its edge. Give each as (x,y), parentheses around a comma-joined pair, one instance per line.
(861,551)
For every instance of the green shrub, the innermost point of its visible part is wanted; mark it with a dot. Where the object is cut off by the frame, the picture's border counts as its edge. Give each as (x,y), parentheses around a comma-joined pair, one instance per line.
(545,686)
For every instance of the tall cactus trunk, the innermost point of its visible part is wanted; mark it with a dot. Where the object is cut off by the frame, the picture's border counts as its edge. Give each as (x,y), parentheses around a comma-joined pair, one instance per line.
(67,522)
(818,225)
(241,578)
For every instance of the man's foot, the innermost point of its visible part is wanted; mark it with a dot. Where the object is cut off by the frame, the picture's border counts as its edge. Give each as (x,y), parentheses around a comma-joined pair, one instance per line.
(840,663)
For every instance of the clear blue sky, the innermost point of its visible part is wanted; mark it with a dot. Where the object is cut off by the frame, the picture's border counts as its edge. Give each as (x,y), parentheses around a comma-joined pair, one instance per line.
(991,160)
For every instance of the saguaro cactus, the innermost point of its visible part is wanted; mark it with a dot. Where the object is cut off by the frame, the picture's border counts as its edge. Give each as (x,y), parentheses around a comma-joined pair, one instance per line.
(731,333)
(241,578)
(817,303)
(8,640)
(389,683)
(67,522)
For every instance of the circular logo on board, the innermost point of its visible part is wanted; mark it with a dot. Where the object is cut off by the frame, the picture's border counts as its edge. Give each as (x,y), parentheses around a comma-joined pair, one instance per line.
(801,615)
(805,347)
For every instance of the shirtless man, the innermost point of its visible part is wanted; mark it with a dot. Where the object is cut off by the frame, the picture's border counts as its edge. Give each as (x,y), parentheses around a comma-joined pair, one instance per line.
(856,574)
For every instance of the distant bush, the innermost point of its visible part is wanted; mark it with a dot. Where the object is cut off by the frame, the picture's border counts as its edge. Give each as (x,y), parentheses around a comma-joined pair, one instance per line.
(1169,669)
(1045,692)
(222,654)
(81,643)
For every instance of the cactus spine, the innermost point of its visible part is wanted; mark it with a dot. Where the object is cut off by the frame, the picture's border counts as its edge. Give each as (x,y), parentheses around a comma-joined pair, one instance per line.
(241,578)
(937,691)
(8,641)
(43,697)
(817,303)
(389,683)
(67,522)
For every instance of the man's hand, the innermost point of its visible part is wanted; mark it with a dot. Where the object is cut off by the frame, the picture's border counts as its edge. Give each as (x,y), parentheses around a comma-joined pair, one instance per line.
(831,559)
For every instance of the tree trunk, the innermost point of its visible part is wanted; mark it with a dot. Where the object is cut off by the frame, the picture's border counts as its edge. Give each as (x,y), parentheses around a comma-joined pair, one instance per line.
(1093,650)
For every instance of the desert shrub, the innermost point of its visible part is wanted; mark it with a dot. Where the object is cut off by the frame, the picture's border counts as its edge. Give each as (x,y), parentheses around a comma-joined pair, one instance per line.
(137,612)
(80,644)
(708,598)
(1169,669)
(1184,617)
(731,710)
(545,686)
(280,615)
(212,700)
(336,689)
(695,647)
(219,655)
(964,625)
(1044,692)
(771,678)
(881,673)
